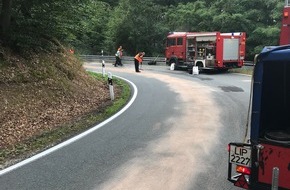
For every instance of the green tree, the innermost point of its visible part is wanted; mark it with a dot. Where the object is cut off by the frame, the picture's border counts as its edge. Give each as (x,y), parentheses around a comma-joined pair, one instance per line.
(90,26)
(5,19)
(136,25)
(42,25)
(89,23)
(112,3)
(259,19)
(188,17)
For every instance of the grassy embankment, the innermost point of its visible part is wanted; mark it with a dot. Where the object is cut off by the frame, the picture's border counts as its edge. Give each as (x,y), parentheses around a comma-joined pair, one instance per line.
(248,70)
(48,98)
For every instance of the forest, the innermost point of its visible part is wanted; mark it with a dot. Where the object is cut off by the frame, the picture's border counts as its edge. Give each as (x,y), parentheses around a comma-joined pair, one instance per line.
(90,26)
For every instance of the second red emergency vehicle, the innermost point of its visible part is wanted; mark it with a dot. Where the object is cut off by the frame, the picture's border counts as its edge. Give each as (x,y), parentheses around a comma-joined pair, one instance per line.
(207,50)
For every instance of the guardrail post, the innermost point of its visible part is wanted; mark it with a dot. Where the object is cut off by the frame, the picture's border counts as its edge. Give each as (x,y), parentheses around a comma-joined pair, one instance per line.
(110,82)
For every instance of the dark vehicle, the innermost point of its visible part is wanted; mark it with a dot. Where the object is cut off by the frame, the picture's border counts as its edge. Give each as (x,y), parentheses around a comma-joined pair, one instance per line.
(262,162)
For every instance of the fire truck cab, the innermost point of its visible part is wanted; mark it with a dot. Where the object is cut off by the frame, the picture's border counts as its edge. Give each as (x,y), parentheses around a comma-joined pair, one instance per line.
(207,50)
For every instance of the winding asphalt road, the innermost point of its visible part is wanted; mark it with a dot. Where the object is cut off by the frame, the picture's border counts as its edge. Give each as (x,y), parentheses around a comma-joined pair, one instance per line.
(173,136)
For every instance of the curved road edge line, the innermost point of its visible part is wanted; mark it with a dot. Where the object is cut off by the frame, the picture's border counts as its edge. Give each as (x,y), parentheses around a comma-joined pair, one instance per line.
(73,139)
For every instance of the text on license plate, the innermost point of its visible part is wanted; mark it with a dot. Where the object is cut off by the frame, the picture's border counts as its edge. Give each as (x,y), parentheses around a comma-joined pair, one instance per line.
(240,155)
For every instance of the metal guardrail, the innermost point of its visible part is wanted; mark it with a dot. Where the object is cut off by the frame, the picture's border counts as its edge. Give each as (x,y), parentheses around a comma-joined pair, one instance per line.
(159,60)
(249,63)
(124,58)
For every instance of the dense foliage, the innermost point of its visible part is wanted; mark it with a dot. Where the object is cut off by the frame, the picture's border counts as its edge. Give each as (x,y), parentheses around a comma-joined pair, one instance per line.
(90,26)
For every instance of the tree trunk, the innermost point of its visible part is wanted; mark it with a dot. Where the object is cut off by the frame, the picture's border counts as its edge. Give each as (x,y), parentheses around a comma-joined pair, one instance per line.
(5,19)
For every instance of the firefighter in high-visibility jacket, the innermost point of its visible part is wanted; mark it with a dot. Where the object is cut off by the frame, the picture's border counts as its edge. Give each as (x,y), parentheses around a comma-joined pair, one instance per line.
(137,60)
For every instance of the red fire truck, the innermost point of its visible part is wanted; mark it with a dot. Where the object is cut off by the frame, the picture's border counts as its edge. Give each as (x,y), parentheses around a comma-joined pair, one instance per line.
(262,162)
(207,50)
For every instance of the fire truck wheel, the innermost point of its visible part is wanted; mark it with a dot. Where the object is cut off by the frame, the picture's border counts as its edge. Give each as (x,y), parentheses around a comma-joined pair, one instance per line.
(199,64)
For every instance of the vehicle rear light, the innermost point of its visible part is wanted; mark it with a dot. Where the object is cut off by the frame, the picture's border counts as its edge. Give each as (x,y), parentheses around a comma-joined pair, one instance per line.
(244,170)
(286,14)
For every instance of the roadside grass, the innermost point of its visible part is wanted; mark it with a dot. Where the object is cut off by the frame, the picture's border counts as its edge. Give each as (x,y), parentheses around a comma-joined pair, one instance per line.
(47,139)
(121,101)
(243,70)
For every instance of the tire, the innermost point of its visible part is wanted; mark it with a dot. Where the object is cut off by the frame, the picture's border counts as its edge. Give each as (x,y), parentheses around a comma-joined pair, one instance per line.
(189,68)
(199,64)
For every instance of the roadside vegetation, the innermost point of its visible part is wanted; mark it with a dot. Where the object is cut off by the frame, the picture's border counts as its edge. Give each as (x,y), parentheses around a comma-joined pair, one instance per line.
(244,70)
(47,99)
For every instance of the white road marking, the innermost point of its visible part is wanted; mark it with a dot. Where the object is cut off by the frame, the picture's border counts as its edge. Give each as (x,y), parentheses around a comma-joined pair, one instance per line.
(65,143)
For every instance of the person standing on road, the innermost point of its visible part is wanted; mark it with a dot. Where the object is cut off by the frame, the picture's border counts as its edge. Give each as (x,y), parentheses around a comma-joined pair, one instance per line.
(118,55)
(137,60)
(141,63)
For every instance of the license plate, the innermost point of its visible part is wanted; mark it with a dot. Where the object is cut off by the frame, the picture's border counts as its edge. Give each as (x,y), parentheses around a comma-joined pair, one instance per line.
(240,155)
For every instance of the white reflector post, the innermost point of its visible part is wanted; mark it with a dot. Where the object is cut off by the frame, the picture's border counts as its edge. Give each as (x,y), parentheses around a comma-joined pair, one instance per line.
(103,68)
(275,178)
(110,82)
